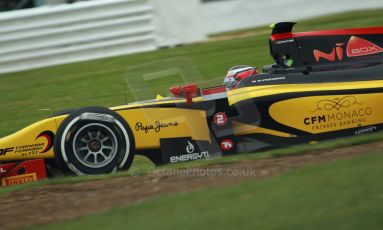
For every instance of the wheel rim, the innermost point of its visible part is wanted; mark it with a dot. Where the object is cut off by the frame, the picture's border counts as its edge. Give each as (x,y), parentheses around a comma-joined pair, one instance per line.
(95,145)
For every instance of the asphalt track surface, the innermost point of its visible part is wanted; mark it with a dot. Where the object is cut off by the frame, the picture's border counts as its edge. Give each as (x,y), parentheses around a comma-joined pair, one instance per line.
(56,203)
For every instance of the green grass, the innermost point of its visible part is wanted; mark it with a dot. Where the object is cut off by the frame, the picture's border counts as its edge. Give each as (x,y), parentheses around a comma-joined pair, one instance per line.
(32,95)
(142,166)
(346,194)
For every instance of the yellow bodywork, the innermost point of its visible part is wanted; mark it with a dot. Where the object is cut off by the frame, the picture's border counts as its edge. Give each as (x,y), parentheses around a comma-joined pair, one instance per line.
(240,129)
(245,93)
(24,144)
(147,124)
(315,114)
(150,124)
(319,114)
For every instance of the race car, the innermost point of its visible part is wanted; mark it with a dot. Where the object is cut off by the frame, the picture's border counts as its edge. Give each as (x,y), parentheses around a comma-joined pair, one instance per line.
(324,84)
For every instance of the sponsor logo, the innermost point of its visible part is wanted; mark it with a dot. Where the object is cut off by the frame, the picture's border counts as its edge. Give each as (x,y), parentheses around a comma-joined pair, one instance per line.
(189,147)
(186,149)
(284,41)
(336,103)
(227,145)
(20,179)
(268,79)
(336,52)
(35,148)
(6,150)
(338,113)
(156,127)
(49,136)
(220,119)
(366,130)
(327,113)
(359,47)
(97,117)
(191,154)
(355,47)
(30,149)
(189,157)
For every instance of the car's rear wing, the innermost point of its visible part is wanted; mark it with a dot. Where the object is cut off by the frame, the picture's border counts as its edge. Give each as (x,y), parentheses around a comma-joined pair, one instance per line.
(325,47)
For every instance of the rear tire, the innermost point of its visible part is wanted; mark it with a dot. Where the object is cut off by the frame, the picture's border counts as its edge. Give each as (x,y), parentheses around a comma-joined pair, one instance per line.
(94,140)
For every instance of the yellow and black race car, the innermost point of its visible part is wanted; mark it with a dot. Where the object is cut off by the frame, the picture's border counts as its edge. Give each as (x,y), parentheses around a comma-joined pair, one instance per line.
(324,84)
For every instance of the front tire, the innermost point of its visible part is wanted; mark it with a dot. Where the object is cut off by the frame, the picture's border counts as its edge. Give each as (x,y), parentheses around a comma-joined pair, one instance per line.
(94,140)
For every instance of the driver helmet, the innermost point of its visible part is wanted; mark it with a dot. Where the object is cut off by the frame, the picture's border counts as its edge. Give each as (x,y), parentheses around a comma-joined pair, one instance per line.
(237,73)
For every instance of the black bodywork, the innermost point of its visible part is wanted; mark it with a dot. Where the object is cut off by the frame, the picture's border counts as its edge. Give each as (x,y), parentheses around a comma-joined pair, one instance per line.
(332,66)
